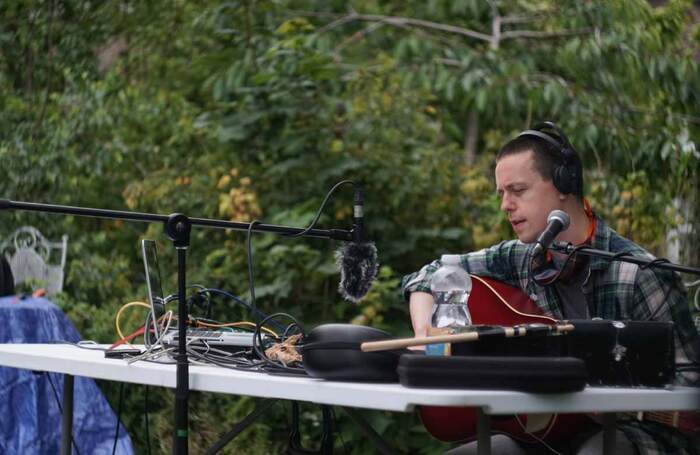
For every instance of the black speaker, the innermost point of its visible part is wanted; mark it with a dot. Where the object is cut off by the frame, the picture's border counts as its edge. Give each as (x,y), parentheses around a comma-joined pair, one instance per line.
(635,353)
(528,374)
(615,353)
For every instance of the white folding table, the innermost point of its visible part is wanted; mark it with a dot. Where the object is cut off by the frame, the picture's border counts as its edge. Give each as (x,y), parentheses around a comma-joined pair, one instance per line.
(74,361)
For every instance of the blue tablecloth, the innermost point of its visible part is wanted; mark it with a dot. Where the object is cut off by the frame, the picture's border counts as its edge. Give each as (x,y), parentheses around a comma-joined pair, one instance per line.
(30,421)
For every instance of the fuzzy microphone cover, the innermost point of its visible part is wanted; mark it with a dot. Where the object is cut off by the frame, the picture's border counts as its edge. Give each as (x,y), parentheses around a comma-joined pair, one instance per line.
(358,268)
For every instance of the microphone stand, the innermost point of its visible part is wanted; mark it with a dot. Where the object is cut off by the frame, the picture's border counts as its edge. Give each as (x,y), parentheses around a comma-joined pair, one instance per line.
(178,227)
(568,248)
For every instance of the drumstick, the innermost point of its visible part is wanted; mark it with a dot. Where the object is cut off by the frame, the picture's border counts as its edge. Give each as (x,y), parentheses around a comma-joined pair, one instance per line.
(507,332)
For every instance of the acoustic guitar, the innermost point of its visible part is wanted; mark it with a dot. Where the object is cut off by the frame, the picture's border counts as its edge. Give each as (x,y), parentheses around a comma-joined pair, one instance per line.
(494,303)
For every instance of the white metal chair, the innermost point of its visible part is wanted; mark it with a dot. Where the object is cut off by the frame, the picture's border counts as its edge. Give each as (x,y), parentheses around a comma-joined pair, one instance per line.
(33,258)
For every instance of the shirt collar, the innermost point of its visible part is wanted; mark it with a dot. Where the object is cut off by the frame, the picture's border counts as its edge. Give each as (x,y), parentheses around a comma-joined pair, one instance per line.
(601,241)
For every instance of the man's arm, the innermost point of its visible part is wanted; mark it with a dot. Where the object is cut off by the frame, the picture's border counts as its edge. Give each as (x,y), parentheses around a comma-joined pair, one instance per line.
(665,298)
(421,307)
(499,262)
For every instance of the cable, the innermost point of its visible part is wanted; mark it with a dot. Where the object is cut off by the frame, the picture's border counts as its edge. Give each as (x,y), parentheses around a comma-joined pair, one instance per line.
(60,408)
(129,337)
(239,364)
(251,281)
(553,279)
(80,344)
(320,209)
(236,324)
(540,440)
(258,344)
(654,262)
(149,349)
(119,414)
(240,301)
(121,310)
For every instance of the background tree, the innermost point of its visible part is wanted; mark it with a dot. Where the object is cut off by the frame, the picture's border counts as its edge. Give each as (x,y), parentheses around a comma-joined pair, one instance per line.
(254,109)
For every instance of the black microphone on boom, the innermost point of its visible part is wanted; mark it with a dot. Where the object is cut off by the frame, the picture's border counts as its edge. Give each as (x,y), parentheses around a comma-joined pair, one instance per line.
(557,221)
(357,260)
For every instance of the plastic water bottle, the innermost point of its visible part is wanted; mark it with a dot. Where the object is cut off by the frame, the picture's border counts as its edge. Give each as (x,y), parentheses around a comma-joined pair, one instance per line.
(450,287)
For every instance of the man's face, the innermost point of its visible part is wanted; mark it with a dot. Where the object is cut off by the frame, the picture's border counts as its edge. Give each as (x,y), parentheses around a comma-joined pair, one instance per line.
(526,198)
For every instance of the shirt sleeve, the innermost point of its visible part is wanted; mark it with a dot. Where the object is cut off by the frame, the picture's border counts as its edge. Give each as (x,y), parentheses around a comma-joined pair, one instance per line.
(661,296)
(502,262)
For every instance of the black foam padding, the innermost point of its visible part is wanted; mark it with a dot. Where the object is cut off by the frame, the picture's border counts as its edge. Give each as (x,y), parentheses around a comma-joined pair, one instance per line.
(332,351)
(528,374)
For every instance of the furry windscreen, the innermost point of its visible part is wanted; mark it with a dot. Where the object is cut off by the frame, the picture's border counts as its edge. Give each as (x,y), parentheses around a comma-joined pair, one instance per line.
(358,268)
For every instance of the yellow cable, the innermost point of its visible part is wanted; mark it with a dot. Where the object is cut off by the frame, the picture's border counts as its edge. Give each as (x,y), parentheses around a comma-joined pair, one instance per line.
(119,314)
(237,324)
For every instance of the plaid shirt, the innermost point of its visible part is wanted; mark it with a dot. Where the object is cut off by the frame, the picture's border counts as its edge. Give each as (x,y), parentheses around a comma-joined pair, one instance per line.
(613,290)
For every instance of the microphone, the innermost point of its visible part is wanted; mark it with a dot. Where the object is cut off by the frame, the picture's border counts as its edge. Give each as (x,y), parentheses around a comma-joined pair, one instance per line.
(357,260)
(557,221)
(358,210)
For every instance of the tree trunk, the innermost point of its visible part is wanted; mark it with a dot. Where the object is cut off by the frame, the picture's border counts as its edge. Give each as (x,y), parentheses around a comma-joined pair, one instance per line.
(471,137)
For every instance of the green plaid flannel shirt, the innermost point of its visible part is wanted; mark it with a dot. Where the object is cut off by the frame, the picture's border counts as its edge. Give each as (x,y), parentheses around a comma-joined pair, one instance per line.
(614,290)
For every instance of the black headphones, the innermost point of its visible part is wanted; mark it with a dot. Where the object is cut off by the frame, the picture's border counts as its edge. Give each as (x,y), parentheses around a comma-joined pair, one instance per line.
(567,176)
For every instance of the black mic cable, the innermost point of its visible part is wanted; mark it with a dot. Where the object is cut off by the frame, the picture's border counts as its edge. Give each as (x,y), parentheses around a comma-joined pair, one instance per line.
(357,260)
(321,207)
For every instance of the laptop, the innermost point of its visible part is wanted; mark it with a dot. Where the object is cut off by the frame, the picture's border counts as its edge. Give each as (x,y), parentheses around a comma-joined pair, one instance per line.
(222,339)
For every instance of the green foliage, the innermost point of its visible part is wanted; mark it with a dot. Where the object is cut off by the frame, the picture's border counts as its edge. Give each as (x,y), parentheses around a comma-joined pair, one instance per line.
(253,110)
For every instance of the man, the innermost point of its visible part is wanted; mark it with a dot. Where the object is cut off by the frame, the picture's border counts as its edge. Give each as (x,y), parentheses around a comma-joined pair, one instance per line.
(536,173)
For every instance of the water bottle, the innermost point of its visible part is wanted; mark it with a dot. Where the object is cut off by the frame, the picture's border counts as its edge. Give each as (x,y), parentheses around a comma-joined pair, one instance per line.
(450,287)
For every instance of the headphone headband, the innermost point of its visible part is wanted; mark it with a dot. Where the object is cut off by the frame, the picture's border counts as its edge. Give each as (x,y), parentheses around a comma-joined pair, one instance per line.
(542,135)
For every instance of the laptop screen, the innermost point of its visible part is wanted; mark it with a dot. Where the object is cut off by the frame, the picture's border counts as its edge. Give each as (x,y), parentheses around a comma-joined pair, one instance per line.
(153,281)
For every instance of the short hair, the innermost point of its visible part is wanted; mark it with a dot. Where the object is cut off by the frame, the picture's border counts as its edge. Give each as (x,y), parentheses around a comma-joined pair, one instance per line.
(546,156)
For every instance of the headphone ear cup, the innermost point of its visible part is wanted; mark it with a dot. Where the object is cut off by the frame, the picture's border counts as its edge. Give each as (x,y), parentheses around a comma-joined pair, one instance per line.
(562,179)
(567,176)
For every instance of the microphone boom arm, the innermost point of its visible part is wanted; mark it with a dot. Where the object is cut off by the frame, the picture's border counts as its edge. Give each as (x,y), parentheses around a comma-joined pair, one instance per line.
(565,247)
(333,234)
(178,227)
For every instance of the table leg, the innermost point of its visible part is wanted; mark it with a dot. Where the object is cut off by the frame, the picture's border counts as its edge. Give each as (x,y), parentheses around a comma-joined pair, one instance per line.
(260,408)
(609,432)
(483,432)
(67,419)
(379,443)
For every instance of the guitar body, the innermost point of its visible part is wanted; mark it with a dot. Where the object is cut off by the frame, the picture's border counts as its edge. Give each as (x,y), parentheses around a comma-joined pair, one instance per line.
(495,303)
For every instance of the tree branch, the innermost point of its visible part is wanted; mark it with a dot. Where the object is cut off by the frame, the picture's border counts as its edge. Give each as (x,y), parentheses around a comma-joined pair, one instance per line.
(495,26)
(404,22)
(358,36)
(519,19)
(395,20)
(542,35)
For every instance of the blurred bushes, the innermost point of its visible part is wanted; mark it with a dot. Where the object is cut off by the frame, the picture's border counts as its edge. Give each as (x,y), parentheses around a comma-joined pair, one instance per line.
(253,110)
